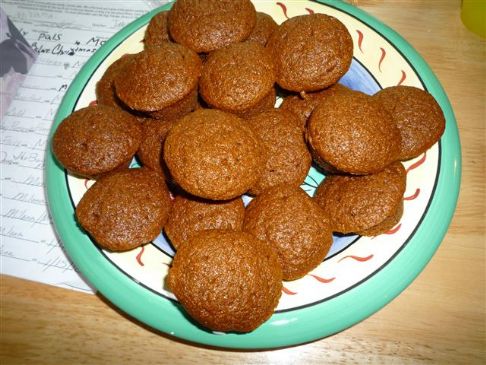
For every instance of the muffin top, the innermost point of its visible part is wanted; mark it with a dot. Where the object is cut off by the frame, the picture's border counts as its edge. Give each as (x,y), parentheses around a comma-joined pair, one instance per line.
(95,140)
(237,77)
(105,90)
(178,109)
(157,30)
(294,224)
(417,115)
(267,103)
(303,105)
(158,77)
(205,26)
(151,147)
(191,215)
(226,280)
(311,52)
(264,28)
(288,160)
(386,224)
(213,154)
(357,203)
(352,133)
(126,209)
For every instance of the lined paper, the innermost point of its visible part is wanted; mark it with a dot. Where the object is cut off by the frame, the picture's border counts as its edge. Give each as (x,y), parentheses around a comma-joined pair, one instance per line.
(65,34)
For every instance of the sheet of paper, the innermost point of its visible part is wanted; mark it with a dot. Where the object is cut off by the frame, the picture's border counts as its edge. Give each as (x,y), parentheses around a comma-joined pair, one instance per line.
(65,34)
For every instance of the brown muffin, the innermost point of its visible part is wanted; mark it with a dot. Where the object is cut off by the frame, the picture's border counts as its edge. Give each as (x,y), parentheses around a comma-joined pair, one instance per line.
(95,140)
(418,116)
(226,280)
(311,52)
(180,108)
(151,147)
(303,105)
(213,154)
(267,103)
(126,209)
(157,30)
(264,28)
(294,224)
(191,215)
(386,225)
(158,78)
(105,90)
(358,203)
(237,77)
(350,132)
(205,26)
(288,160)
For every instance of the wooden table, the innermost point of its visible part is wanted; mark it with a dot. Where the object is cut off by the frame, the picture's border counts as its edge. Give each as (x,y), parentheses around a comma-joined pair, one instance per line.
(440,318)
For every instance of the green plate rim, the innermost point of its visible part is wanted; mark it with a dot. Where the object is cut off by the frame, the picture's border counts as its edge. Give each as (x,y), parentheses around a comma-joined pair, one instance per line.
(286,328)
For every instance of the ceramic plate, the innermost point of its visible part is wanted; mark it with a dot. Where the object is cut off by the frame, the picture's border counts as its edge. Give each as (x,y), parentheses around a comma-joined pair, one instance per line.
(359,275)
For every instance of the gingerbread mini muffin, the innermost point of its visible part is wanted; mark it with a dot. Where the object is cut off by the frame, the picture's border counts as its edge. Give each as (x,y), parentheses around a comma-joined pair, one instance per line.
(359,204)
(267,103)
(351,132)
(157,30)
(161,81)
(226,280)
(191,215)
(418,116)
(105,90)
(264,28)
(386,225)
(303,105)
(288,160)
(126,209)
(178,109)
(153,136)
(95,140)
(311,52)
(238,77)
(205,26)
(294,224)
(213,154)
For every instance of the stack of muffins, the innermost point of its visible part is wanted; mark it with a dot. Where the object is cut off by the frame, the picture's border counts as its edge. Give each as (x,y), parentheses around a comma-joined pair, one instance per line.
(196,107)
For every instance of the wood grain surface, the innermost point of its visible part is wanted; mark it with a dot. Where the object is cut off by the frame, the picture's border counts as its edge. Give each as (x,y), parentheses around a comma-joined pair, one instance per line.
(439,319)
